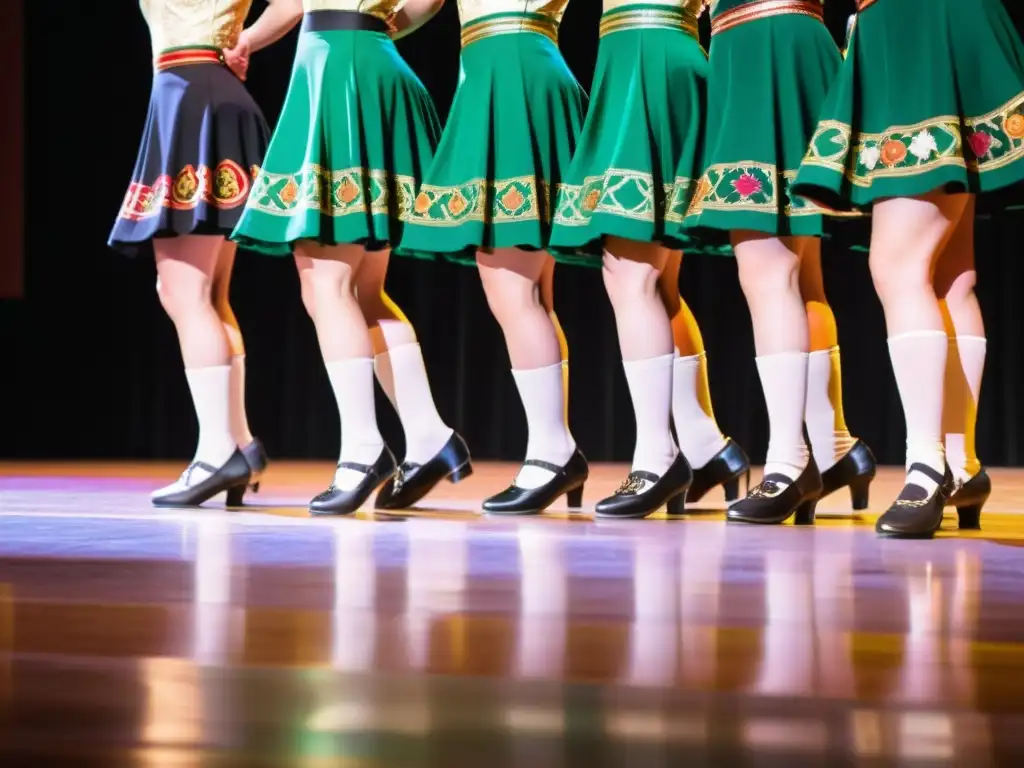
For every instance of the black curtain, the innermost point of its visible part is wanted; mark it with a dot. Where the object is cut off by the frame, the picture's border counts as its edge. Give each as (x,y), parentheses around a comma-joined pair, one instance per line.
(91,367)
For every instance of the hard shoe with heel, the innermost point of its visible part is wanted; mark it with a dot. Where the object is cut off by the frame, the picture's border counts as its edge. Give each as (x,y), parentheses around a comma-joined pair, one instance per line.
(778,497)
(568,481)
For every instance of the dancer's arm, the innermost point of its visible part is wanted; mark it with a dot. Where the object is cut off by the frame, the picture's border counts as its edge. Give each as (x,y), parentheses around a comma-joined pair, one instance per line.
(274,23)
(414,14)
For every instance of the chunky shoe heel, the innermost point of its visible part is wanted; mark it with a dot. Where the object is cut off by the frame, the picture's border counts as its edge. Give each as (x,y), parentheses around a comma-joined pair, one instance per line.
(860,493)
(236,496)
(460,473)
(805,513)
(233,476)
(732,489)
(255,487)
(677,504)
(969,517)
(574,498)
(725,468)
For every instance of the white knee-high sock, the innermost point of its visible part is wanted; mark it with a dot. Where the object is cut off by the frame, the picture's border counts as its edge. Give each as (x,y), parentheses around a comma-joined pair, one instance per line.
(919,364)
(385,377)
(784,383)
(239,421)
(829,441)
(425,430)
(549,439)
(211,396)
(361,443)
(698,434)
(650,386)
(963,388)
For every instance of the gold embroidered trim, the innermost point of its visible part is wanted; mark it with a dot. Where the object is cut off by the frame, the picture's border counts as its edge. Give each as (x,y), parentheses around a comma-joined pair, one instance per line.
(762,10)
(649,18)
(481,30)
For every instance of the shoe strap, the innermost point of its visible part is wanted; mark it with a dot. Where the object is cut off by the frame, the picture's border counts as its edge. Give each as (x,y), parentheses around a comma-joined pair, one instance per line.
(928,472)
(362,468)
(553,468)
(198,465)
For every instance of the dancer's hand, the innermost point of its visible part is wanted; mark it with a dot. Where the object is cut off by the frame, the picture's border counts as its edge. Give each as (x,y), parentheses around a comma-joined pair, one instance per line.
(237,58)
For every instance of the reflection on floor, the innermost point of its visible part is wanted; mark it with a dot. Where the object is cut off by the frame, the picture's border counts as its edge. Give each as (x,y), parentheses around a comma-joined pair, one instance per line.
(135,637)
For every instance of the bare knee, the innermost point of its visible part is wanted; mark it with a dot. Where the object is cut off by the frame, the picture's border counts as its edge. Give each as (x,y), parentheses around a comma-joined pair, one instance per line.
(767,267)
(180,295)
(896,274)
(628,281)
(307,291)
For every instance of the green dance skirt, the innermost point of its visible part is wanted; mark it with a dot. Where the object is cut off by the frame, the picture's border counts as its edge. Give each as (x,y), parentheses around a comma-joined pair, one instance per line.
(356,134)
(931,96)
(767,82)
(639,157)
(506,147)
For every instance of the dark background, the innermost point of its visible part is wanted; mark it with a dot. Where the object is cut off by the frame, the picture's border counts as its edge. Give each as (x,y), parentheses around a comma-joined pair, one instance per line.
(90,365)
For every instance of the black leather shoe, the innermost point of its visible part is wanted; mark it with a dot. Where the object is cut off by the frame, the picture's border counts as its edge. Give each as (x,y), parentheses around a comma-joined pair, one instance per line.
(335,501)
(414,481)
(855,471)
(631,501)
(233,476)
(725,468)
(916,514)
(969,499)
(256,456)
(568,480)
(777,498)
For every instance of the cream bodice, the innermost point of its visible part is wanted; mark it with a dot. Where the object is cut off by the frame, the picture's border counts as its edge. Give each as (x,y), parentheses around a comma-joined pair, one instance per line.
(471,10)
(693,6)
(183,23)
(382,9)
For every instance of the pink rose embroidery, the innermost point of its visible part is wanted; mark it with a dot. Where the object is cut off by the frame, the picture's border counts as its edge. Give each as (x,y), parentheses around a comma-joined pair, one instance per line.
(746,185)
(980,143)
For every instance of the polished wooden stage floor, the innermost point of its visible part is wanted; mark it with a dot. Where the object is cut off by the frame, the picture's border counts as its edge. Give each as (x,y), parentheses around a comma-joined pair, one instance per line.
(260,637)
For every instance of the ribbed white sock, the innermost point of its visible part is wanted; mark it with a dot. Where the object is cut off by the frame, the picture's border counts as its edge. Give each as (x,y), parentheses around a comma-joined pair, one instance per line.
(549,440)
(698,434)
(650,386)
(361,443)
(919,364)
(211,396)
(828,444)
(963,388)
(784,383)
(425,430)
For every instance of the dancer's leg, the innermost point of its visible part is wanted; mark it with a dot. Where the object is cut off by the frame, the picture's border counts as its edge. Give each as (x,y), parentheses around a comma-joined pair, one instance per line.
(328,277)
(826,423)
(185,268)
(547,300)
(221,293)
(907,236)
(399,362)
(698,434)
(631,271)
(955,279)
(769,270)
(511,280)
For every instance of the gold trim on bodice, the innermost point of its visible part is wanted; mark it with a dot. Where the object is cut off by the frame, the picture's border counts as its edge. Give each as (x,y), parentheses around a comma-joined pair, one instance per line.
(509,25)
(631,19)
(692,6)
(762,9)
(194,23)
(471,11)
(381,9)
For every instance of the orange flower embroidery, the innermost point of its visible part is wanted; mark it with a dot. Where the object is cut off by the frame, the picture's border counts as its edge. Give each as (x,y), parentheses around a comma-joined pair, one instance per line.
(457,204)
(893,152)
(1014,126)
(513,199)
(348,191)
(591,200)
(290,192)
(422,203)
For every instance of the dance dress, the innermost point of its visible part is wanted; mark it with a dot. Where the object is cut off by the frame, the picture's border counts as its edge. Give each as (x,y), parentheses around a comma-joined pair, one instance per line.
(204,136)
(356,133)
(770,67)
(930,96)
(509,139)
(639,157)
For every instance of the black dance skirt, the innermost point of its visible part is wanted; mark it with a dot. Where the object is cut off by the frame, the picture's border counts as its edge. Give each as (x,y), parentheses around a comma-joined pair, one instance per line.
(203,144)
